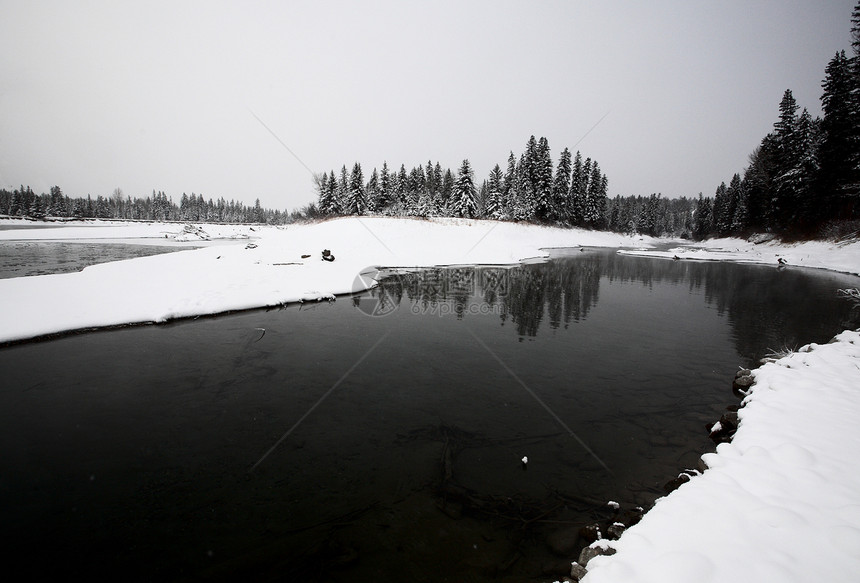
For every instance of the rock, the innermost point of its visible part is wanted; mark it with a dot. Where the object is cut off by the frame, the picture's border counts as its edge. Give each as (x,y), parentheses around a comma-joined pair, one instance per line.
(673,485)
(730,421)
(590,533)
(577,571)
(564,542)
(741,385)
(615,530)
(594,550)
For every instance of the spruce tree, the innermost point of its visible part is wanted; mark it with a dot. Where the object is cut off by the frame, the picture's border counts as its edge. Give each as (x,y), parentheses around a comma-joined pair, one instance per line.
(464,196)
(561,186)
(542,180)
(385,187)
(576,195)
(493,207)
(839,179)
(356,202)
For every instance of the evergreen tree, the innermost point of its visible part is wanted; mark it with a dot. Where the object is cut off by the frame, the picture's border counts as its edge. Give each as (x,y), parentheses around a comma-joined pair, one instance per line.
(595,198)
(327,202)
(372,191)
(356,202)
(464,202)
(493,207)
(561,186)
(542,181)
(510,186)
(385,188)
(576,194)
(703,225)
(343,191)
(740,217)
(839,179)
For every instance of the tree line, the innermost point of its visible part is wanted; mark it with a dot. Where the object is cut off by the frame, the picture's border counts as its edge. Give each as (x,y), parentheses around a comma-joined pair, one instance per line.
(528,189)
(803,179)
(23,202)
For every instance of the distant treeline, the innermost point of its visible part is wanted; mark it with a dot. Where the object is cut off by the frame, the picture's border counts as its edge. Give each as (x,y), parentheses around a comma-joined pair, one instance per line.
(527,190)
(23,202)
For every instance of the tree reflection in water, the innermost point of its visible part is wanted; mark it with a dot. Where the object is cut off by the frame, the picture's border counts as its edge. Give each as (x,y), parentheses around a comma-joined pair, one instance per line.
(767,307)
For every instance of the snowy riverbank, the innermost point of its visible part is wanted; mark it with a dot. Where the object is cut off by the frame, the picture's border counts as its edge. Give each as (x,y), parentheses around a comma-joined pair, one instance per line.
(844,257)
(268,266)
(781,502)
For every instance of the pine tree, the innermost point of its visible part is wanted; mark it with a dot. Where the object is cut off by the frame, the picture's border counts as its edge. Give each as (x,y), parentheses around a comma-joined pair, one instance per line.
(372,191)
(464,196)
(510,186)
(385,188)
(595,198)
(493,208)
(561,186)
(740,217)
(542,181)
(356,202)
(327,204)
(576,195)
(839,179)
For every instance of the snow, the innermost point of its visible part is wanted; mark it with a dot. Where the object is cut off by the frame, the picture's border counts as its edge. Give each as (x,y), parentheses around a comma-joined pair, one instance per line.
(264,268)
(844,257)
(781,502)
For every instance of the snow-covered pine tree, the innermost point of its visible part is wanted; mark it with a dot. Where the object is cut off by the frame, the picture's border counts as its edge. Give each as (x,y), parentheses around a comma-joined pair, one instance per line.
(595,198)
(561,187)
(740,218)
(343,191)
(510,186)
(327,203)
(447,194)
(356,202)
(839,179)
(576,195)
(385,187)
(371,190)
(542,181)
(464,196)
(402,184)
(493,208)
(718,209)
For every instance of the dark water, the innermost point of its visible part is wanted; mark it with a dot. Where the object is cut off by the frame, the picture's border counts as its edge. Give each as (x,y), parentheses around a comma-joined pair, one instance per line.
(323,444)
(26,258)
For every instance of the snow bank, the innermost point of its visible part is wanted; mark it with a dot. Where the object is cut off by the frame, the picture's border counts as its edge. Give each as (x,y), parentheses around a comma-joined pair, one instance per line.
(844,257)
(273,267)
(781,502)
(123,230)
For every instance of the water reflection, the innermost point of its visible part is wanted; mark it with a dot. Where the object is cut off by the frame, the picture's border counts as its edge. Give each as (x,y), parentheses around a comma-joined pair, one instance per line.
(768,308)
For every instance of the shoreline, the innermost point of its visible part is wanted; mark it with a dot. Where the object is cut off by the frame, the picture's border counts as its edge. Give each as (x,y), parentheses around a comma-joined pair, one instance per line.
(772,492)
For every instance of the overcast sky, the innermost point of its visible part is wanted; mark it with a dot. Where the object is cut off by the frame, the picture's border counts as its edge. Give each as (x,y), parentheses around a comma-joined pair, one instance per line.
(167,96)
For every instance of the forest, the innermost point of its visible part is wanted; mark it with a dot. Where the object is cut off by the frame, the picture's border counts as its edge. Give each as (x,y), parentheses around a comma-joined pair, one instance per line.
(23,202)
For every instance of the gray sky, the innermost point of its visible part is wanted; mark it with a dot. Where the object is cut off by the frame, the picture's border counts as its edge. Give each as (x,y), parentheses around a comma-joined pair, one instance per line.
(163,95)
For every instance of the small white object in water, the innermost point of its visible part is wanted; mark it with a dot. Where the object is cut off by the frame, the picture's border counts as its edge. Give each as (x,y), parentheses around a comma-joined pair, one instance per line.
(525,459)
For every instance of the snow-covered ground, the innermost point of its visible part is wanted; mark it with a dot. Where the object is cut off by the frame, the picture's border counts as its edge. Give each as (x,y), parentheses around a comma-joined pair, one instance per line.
(844,257)
(779,503)
(269,266)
